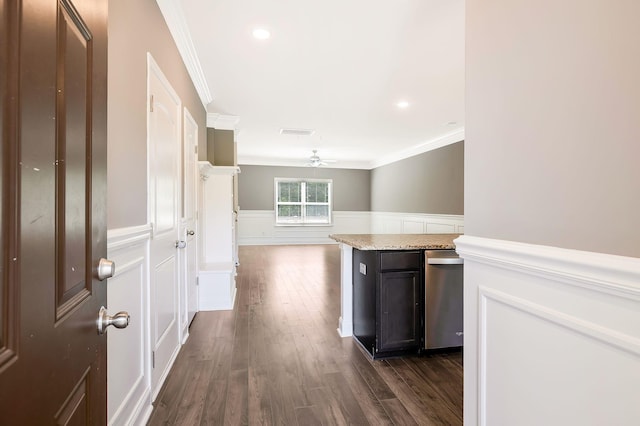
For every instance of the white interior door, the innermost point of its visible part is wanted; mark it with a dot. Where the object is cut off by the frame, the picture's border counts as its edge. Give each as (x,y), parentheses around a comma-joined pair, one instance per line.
(189,207)
(164,135)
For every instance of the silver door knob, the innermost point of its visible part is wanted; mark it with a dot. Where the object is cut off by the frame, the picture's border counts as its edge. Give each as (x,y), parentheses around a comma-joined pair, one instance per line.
(119,320)
(106,269)
(191,232)
(181,244)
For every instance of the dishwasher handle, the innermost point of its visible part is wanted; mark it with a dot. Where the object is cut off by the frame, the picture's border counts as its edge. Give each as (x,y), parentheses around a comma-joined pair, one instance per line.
(445,261)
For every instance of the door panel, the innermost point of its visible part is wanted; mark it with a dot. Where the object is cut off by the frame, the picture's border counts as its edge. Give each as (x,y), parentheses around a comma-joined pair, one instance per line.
(9,285)
(164,160)
(164,116)
(165,297)
(73,143)
(75,410)
(53,181)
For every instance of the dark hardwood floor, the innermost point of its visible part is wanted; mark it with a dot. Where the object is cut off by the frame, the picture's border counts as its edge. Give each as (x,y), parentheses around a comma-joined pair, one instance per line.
(277,357)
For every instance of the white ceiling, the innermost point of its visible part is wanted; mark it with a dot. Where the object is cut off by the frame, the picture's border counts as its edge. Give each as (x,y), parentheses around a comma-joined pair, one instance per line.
(335,66)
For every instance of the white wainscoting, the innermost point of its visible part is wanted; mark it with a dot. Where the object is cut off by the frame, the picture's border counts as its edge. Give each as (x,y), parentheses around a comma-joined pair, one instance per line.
(552,336)
(416,223)
(257,227)
(128,352)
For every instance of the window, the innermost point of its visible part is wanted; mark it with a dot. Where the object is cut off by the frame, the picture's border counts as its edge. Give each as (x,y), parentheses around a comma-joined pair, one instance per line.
(303,201)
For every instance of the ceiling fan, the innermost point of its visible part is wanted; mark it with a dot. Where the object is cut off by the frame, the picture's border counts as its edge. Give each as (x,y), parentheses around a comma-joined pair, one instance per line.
(315,161)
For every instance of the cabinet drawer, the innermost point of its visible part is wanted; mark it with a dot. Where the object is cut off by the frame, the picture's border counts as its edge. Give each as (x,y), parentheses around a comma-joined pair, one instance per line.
(400,260)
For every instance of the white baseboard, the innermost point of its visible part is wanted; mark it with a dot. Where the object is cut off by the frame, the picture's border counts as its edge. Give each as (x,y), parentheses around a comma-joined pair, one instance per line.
(257,227)
(550,328)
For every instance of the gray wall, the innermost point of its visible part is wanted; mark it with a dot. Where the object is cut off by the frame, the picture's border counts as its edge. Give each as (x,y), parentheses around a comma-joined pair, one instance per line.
(552,123)
(135,28)
(432,182)
(350,187)
(221,147)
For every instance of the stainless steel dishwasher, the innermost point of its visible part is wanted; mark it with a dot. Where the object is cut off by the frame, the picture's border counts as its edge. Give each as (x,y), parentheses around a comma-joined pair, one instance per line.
(443,299)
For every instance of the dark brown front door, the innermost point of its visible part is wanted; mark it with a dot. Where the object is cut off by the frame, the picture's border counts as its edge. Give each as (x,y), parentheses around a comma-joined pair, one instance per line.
(53,59)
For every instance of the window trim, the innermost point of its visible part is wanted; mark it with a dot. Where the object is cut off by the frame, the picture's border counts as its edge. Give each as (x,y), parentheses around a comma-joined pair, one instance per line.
(303,202)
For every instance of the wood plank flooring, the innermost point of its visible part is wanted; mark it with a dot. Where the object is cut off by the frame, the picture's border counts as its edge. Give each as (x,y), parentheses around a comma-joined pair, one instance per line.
(277,357)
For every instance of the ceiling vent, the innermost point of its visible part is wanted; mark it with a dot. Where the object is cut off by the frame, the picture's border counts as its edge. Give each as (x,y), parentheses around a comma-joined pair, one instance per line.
(297,132)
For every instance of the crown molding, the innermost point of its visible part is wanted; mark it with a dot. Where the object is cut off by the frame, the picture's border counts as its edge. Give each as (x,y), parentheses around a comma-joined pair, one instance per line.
(439,142)
(221,121)
(430,145)
(289,162)
(174,17)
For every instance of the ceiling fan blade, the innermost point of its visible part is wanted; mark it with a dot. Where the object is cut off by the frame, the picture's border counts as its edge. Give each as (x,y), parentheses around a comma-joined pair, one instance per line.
(316,161)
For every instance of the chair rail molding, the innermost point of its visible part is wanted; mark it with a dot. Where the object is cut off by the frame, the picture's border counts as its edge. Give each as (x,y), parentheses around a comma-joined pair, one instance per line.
(607,273)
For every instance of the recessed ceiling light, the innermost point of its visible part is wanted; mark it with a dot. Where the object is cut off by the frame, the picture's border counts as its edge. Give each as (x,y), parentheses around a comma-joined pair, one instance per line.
(451,123)
(297,132)
(261,33)
(402,104)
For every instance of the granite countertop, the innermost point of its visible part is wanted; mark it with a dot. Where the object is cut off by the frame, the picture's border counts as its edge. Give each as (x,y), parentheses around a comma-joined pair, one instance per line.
(397,241)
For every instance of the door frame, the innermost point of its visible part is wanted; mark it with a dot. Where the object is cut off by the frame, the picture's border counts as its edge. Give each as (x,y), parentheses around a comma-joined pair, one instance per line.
(153,67)
(184,220)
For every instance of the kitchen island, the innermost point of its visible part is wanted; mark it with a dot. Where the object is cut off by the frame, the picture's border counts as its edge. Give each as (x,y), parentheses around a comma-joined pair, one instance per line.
(377,242)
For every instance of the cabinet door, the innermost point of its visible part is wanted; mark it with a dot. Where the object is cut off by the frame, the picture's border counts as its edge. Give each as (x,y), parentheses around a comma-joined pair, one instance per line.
(399,296)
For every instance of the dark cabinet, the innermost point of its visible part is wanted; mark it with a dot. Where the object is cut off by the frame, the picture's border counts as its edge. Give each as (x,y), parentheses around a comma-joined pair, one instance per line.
(387,301)
(399,300)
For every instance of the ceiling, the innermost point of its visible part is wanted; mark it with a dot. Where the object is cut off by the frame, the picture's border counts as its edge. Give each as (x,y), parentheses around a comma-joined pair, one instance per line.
(338,67)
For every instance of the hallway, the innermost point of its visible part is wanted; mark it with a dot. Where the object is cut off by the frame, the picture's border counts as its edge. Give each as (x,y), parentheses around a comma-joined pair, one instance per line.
(277,357)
